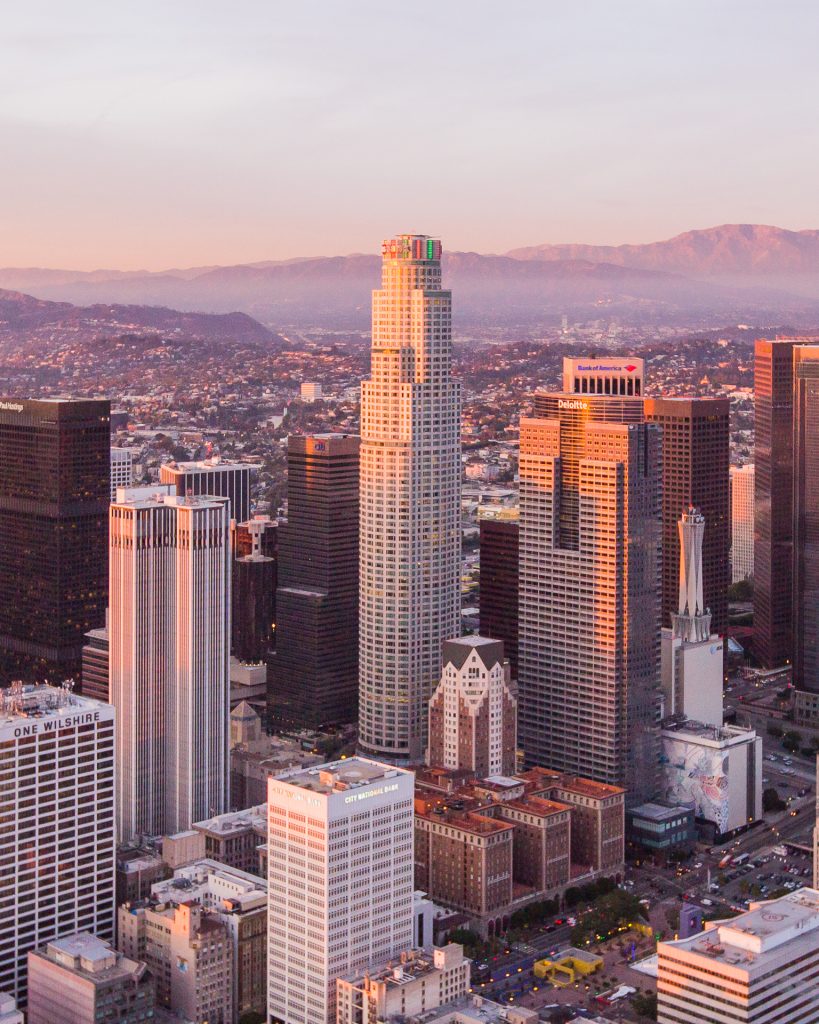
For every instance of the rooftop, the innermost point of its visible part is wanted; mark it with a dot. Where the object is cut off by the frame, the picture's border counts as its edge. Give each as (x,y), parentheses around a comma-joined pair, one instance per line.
(234,822)
(44,704)
(659,812)
(336,776)
(475,1009)
(209,465)
(90,957)
(751,942)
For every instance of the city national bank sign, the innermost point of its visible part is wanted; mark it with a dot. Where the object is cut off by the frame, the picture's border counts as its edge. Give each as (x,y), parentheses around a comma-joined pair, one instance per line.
(41,726)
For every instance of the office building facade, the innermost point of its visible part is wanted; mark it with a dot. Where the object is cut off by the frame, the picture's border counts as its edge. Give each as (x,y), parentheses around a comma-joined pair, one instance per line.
(81,979)
(122,469)
(742,522)
(254,581)
(695,458)
(773,485)
(759,967)
(473,711)
(57,839)
(410,562)
(340,880)
(94,674)
(213,478)
(805,614)
(169,629)
(54,493)
(589,651)
(499,583)
(313,675)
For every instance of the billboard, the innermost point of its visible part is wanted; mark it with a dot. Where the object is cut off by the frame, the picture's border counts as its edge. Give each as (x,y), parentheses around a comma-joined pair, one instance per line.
(697,774)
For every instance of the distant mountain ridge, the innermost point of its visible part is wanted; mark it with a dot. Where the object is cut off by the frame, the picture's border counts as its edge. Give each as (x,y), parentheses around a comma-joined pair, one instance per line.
(24,315)
(727,249)
(734,271)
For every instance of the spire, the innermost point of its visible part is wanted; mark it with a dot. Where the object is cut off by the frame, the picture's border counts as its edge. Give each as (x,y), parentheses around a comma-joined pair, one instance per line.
(692,621)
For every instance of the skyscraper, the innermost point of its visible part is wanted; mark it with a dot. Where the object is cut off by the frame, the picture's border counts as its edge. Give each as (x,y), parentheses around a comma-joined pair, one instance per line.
(691,652)
(742,522)
(122,469)
(695,454)
(57,835)
(254,580)
(610,376)
(499,583)
(215,478)
(340,880)
(54,494)
(805,616)
(314,671)
(773,530)
(589,650)
(473,712)
(169,659)
(410,501)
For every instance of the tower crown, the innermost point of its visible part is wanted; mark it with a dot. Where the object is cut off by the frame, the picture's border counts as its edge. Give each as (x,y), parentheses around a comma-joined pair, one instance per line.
(411,247)
(693,620)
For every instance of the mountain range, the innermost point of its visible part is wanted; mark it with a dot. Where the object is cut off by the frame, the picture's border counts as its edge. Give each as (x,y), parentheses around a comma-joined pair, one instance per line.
(737,271)
(26,318)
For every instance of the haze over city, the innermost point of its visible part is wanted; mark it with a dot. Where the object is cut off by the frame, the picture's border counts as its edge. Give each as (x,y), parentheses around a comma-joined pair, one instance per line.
(409,559)
(156,135)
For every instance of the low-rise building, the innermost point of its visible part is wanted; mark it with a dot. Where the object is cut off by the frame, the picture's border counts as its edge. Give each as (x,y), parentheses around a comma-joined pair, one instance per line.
(9,1014)
(190,952)
(234,838)
(238,900)
(760,967)
(474,1009)
(418,981)
(660,826)
(488,847)
(717,770)
(81,979)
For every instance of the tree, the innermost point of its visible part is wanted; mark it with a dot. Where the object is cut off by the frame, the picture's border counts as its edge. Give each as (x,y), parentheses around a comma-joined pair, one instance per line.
(645,1003)
(742,590)
(772,801)
(791,741)
(774,729)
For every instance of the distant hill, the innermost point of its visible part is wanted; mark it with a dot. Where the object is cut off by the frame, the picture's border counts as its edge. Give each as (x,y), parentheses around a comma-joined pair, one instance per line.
(22,315)
(732,271)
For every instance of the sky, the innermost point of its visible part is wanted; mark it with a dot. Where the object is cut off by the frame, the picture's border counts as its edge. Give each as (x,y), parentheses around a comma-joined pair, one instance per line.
(168,133)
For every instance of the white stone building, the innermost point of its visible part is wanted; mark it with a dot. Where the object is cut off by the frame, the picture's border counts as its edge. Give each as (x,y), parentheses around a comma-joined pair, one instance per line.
(340,880)
(57,816)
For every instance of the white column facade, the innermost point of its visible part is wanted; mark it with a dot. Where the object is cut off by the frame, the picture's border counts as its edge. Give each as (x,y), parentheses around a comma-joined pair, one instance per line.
(169,656)
(410,534)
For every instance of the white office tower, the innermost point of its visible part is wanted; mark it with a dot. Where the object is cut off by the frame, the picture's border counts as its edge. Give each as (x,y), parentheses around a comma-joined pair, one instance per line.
(410,533)
(340,880)
(169,631)
(742,522)
(122,469)
(691,653)
(761,967)
(56,823)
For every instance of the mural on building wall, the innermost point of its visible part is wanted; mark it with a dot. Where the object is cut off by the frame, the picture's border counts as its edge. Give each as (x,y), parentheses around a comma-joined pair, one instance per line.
(698,775)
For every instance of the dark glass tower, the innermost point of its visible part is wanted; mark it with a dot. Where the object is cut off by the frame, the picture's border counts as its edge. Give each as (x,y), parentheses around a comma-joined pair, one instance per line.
(253,581)
(773,499)
(499,585)
(55,471)
(313,676)
(696,461)
(806,517)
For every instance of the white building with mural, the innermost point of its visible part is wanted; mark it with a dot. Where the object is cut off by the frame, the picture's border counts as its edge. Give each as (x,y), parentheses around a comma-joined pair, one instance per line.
(718,770)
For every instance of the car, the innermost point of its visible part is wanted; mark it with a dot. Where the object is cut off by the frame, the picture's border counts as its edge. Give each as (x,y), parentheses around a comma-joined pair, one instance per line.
(698,865)
(794,813)
(706,902)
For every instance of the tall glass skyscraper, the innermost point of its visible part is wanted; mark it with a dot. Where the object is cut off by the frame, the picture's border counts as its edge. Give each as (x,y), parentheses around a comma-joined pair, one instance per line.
(589,590)
(55,471)
(410,536)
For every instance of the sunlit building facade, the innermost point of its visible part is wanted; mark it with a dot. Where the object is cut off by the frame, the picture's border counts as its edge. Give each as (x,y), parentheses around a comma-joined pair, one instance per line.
(589,604)
(742,522)
(410,539)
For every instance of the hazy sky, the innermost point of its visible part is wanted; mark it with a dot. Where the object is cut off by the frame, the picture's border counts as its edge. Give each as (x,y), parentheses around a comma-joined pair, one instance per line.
(166,133)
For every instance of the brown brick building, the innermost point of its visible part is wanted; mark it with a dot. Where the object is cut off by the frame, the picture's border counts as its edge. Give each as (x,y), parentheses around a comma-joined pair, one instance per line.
(489,847)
